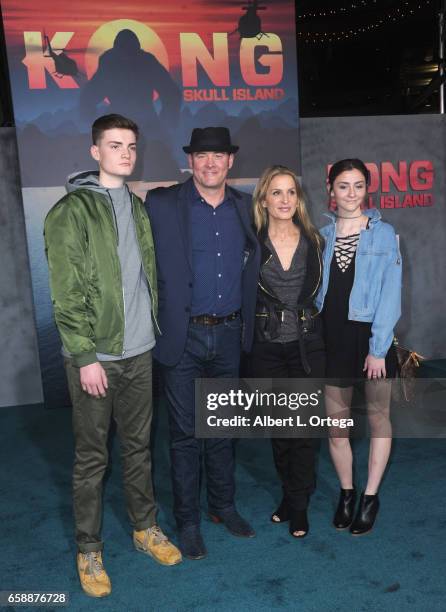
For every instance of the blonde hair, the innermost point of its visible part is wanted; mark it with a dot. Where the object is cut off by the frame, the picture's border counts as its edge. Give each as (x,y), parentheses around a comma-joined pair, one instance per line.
(301,216)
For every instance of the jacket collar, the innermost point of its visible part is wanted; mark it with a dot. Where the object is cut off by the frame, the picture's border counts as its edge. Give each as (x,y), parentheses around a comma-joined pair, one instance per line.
(186,189)
(184,194)
(264,250)
(372,213)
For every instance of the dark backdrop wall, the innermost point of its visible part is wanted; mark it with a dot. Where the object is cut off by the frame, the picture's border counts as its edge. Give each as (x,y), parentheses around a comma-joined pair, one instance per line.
(19,363)
(403,142)
(407,158)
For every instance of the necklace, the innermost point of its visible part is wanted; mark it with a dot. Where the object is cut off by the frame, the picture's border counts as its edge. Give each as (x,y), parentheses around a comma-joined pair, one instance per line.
(342,217)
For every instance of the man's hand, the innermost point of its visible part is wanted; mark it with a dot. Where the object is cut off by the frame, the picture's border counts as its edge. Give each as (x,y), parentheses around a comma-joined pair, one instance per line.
(94,379)
(375,367)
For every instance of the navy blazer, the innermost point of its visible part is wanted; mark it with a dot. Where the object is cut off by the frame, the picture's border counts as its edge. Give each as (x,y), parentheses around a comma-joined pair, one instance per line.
(169,212)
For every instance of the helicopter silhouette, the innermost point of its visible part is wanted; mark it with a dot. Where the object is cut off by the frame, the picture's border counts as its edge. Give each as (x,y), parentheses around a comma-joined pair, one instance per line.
(250,25)
(64,65)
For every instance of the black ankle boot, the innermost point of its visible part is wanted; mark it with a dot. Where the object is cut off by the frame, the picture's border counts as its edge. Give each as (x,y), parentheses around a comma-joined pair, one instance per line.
(299,522)
(366,515)
(346,507)
(282,514)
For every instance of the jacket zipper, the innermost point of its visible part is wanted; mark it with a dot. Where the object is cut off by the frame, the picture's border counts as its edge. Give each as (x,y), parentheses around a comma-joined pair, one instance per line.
(266,291)
(115,225)
(260,276)
(123,303)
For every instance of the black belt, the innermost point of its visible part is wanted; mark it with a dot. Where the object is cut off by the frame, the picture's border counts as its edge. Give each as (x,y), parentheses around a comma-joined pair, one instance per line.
(206,319)
(303,314)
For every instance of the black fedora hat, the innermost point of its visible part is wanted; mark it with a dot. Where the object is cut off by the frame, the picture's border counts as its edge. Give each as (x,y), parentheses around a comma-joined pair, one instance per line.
(211,139)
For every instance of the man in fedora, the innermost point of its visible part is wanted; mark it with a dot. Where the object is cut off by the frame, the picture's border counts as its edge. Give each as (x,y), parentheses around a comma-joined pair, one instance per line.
(208,263)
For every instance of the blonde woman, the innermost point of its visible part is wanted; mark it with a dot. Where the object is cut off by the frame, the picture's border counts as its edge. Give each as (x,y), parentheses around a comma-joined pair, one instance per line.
(288,339)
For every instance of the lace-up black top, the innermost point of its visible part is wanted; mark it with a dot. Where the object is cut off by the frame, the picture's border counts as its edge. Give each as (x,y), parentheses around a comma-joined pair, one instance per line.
(347,342)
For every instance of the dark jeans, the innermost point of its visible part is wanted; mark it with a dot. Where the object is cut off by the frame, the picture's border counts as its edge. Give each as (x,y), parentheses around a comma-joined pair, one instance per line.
(294,458)
(129,403)
(210,352)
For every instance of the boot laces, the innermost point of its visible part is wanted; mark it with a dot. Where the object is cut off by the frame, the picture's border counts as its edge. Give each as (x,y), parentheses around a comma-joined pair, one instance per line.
(94,565)
(158,535)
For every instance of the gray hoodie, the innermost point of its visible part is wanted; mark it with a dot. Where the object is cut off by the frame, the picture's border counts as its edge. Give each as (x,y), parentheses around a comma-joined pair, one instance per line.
(139,336)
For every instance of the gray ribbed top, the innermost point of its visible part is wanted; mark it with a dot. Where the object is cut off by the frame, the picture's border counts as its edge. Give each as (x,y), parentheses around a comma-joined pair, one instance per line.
(138,332)
(287,285)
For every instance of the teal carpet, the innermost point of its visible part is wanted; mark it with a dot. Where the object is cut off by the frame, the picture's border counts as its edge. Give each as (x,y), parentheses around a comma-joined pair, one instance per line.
(399,566)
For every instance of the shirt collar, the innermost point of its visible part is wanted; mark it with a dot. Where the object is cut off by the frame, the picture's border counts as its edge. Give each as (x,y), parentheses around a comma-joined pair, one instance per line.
(229,196)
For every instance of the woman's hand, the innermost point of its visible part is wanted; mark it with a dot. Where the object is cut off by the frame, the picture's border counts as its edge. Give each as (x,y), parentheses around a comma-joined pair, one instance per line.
(375,367)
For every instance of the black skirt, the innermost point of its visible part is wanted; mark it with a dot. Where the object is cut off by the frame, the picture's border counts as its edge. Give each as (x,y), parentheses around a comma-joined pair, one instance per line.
(347,342)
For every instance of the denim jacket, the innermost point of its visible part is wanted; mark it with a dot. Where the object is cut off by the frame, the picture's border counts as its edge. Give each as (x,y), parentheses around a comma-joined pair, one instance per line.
(376,293)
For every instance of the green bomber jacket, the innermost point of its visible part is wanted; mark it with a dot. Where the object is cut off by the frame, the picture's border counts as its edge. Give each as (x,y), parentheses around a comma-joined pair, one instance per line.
(85,272)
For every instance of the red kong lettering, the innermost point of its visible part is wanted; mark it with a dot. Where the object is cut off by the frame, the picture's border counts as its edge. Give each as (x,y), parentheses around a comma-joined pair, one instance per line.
(421,175)
(397,177)
(416,176)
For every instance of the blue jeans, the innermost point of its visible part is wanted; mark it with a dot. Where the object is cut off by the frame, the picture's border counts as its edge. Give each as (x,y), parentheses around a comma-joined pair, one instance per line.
(210,352)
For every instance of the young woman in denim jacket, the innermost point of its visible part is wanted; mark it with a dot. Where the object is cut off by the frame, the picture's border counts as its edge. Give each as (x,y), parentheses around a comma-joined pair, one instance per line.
(288,336)
(360,300)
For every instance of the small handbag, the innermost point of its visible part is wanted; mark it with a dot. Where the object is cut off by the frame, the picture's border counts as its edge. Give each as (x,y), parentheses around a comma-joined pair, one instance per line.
(408,363)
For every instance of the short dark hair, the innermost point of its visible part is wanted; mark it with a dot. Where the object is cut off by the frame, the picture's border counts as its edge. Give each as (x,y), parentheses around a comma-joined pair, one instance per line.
(344,165)
(108,122)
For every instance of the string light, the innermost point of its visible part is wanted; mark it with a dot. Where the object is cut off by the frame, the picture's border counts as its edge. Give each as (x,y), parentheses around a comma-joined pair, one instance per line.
(324,37)
(343,11)
(327,12)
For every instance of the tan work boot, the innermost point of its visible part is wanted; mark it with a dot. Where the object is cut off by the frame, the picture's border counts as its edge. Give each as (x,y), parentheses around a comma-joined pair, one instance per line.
(153,542)
(93,577)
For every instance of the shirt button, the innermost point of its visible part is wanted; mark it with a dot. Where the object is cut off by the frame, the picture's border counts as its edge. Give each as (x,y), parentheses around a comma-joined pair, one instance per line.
(219,297)
(219,276)
(218,254)
(216,233)
(214,213)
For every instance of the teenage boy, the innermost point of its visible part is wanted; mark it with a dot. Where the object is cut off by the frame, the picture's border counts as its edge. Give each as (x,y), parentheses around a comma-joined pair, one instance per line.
(104,291)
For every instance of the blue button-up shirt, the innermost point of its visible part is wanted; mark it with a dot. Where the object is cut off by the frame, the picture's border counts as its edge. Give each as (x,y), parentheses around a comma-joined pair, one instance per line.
(218,242)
